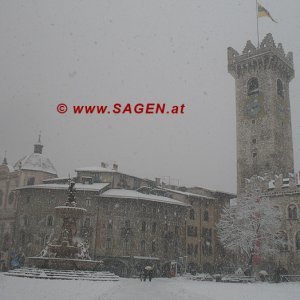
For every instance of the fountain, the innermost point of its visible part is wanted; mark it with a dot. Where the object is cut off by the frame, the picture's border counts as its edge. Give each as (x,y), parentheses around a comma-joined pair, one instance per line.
(67,252)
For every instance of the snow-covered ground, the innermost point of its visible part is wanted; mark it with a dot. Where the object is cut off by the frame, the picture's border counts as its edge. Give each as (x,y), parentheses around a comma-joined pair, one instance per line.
(12,288)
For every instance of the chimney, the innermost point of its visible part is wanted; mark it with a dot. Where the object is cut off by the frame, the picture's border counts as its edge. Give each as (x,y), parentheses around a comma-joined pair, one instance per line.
(103,165)
(115,167)
(157,181)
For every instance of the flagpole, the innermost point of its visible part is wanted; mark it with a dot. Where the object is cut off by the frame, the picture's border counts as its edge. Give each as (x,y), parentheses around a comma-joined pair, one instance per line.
(257,24)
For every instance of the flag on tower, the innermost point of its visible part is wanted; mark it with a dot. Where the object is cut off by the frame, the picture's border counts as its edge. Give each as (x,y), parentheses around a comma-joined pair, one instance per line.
(262,12)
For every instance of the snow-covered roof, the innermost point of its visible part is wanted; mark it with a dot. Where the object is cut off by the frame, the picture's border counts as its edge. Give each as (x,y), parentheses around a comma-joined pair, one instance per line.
(94,169)
(78,186)
(35,162)
(126,194)
(189,194)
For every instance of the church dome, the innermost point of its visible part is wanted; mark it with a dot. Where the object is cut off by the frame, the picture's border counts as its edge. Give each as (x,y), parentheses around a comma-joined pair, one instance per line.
(36,161)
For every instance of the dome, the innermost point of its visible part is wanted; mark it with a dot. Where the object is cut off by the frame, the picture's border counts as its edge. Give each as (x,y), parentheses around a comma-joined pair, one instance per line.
(36,161)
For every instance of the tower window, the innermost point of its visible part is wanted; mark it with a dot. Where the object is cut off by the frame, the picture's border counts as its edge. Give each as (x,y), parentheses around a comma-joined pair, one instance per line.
(252,86)
(292,212)
(254,154)
(280,91)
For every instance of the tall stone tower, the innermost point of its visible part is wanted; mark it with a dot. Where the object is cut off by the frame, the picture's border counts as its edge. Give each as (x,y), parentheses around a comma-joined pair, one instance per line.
(263,118)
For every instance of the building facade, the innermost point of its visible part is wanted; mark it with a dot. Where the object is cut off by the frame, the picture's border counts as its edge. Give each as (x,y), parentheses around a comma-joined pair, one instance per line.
(124,228)
(29,170)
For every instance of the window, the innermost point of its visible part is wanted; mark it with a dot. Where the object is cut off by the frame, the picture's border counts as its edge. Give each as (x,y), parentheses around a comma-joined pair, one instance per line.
(190,248)
(153,246)
(30,181)
(297,240)
(25,220)
(127,223)
(125,245)
(23,238)
(1,197)
(253,121)
(254,154)
(166,227)
(192,230)
(292,212)
(143,226)
(154,227)
(108,244)
(144,209)
(192,214)
(206,216)
(207,241)
(143,246)
(280,91)
(252,86)
(11,198)
(86,180)
(196,250)
(49,221)
(88,201)
(87,222)
(176,230)
(110,225)
(283,241)
(253,141)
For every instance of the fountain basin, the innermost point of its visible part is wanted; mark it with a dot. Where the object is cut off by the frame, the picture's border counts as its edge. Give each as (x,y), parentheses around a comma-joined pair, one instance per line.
(63,263)
(69,211)
(64,250)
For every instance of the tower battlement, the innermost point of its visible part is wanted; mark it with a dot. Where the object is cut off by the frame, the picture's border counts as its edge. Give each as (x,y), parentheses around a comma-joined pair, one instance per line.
(266,56)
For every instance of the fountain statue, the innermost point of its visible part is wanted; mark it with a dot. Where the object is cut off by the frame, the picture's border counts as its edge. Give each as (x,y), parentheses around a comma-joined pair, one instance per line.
(68,252)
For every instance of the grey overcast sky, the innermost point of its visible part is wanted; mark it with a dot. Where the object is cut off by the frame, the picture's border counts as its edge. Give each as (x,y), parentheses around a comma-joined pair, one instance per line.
(103,51)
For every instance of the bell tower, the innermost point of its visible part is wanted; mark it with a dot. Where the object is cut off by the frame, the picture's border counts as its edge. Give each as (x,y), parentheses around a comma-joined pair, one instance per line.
(263,117)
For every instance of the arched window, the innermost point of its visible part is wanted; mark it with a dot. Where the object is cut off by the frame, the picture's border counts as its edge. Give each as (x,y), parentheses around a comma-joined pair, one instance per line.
(192,214)
(206,216)
(252,86)
(292,212)
(280,91)
(297,240)
(49,221)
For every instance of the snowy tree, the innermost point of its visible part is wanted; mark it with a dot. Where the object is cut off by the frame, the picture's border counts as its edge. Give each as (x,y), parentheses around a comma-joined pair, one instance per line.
(251,227)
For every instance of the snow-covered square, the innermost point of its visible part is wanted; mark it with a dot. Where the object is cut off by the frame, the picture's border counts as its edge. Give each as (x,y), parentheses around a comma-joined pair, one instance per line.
(12,288)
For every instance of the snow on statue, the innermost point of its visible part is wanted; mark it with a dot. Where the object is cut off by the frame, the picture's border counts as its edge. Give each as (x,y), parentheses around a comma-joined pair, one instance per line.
(250,227)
